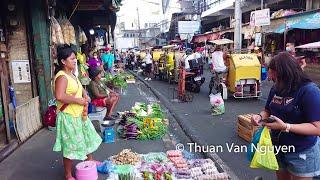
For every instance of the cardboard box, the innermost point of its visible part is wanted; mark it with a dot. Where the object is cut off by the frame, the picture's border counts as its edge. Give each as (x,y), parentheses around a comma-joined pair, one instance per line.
(245,129)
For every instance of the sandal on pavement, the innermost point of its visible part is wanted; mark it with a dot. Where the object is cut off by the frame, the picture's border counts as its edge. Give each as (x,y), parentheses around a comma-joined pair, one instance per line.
(115,115)
(109,119)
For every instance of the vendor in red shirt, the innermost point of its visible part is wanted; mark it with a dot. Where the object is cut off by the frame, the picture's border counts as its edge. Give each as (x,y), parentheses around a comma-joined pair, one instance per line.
(101,95)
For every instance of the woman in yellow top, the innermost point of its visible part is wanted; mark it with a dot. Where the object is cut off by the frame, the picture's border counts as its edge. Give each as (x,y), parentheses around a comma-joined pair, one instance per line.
(76,136)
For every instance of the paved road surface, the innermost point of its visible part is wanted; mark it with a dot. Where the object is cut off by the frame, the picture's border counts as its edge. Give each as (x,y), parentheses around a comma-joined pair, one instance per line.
(219,130)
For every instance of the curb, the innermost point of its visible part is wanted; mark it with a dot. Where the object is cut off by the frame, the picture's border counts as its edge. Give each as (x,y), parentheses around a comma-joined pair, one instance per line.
(188,130)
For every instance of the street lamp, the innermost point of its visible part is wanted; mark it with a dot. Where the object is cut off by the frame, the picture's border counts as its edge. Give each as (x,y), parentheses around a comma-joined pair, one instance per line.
(91,32)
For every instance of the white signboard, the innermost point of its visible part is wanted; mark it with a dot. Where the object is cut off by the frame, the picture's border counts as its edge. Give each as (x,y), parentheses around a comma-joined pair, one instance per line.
(188,27)
(260,17)
(21,71)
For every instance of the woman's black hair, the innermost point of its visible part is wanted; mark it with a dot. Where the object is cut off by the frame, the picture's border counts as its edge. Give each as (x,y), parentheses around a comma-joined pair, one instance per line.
(290,75)
(63,52)
(85,48)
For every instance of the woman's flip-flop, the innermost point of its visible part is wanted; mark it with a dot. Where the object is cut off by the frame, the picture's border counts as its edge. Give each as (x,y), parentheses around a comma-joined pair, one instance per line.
(115,116)
(109,119)
(70,178)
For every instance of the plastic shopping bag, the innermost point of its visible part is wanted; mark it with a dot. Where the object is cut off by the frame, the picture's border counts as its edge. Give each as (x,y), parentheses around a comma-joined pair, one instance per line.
(253,144)
(264,156)
(217,104)
(106,167)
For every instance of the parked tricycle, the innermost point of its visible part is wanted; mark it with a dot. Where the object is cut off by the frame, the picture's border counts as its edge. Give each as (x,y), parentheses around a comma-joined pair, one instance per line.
(157,54)
(169,63)
(242,79)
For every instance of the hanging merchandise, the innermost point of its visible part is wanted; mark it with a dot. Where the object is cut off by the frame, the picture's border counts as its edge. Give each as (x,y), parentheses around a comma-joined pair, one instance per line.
(56,32)
(99,41)
(82,36)
(83,69)
(68,32)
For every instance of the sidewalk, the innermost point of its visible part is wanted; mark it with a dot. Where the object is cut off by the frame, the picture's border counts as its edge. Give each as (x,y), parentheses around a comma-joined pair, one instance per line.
(35,159)
(204,129)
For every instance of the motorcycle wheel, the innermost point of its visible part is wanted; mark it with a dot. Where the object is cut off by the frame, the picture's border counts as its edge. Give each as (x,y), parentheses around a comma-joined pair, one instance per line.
(189,98)
(197,89)
(220,89)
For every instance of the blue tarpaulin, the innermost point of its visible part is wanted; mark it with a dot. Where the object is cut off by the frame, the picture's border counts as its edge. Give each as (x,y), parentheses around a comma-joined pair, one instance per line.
(308,21)
(305,21)
(280,29)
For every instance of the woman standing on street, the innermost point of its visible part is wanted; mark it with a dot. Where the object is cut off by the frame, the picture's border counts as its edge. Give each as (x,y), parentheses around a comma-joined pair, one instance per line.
(76,136)
(148,60)
(95,62)
(293,103)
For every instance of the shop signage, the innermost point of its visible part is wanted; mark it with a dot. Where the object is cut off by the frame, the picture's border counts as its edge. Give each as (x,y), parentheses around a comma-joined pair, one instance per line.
(305,21)
(260,17)
(243,57)
(21,71)
(199,38)
(188,27)
(206,37)
(213,36)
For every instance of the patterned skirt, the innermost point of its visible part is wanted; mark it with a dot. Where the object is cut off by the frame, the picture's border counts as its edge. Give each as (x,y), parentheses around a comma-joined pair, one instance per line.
(75,138)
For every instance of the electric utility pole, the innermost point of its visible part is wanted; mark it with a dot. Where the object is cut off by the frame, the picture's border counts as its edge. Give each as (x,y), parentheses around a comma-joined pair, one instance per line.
(237,29)
(139,30)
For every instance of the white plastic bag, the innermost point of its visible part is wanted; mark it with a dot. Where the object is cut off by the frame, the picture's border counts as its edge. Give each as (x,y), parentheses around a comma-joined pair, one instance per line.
(217,104)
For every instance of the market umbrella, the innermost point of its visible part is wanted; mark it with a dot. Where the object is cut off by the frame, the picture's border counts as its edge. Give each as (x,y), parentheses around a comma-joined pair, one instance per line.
(221,41)
(310,45)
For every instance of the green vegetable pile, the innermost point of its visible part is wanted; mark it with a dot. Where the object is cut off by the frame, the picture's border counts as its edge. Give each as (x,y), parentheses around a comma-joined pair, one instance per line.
(148,119)
(117,81)
(153,133)
(125,172)
(127,76)
(158,157)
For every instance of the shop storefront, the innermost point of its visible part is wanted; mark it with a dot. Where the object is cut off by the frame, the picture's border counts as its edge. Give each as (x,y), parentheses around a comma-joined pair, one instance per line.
(27,54)
(16,77)
(23,60)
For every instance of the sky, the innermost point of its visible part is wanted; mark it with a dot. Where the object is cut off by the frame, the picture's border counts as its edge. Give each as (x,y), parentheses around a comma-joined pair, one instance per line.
(150,11)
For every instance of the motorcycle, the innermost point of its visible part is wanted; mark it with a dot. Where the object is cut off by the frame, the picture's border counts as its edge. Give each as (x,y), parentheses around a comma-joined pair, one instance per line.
(195,80)
(130,62)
